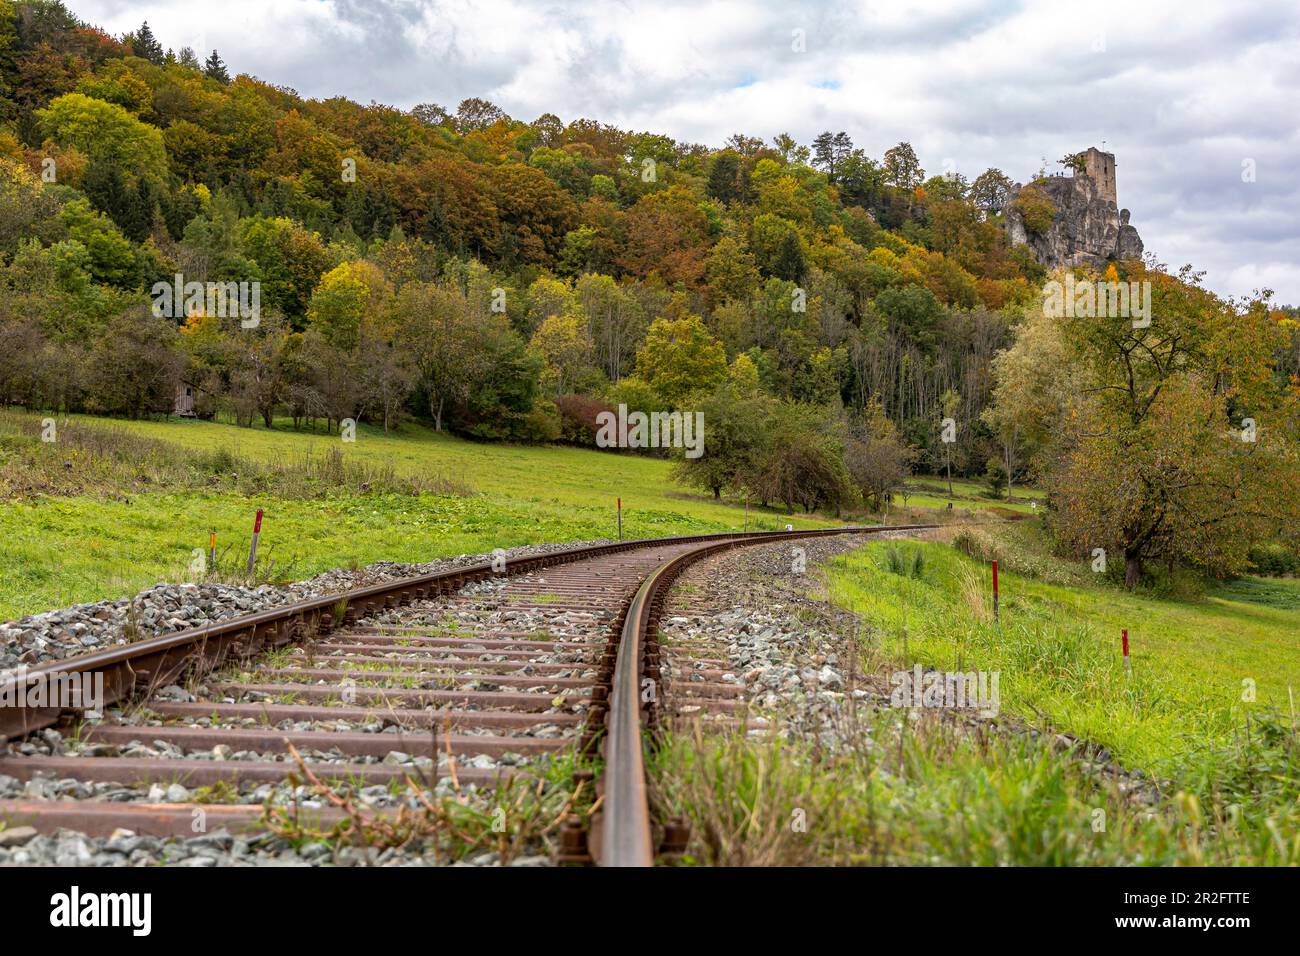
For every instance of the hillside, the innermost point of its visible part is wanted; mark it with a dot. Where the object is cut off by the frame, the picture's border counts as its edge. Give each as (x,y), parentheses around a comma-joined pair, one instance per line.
(179,238)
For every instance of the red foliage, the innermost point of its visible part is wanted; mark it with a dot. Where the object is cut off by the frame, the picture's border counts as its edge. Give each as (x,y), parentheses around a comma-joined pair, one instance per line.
(578,418)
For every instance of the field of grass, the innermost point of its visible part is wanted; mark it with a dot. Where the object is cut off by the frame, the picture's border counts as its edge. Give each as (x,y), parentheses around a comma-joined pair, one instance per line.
(1209,708)
(1058,643)
(102,541)
(930,790)
(73,530)
(88,536)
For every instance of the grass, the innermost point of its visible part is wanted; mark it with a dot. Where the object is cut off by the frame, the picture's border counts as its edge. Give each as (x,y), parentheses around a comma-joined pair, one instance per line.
(933,788)
(1058,645)
(932,793)
(116,506)
(93,535)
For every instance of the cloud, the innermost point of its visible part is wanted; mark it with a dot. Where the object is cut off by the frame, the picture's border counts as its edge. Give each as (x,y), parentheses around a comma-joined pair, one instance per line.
(1182,96)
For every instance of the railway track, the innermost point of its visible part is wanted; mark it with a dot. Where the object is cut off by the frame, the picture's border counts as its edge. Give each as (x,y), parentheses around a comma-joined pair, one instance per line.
(459,678)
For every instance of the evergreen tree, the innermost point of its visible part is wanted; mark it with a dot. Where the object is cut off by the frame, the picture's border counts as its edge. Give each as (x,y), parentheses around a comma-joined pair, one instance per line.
(105,188)
(214,69)
(188,59)
(146,45)
(789,262)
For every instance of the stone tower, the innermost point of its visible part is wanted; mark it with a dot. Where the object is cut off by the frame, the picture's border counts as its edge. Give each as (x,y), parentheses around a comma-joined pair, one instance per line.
(1100,167)
(1088,228)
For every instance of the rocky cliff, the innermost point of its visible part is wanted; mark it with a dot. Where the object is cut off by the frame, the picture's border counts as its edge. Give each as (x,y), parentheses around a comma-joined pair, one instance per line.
(1087,228)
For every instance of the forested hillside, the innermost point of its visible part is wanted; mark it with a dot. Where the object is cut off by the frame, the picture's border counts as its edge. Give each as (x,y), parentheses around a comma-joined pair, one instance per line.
(508,279)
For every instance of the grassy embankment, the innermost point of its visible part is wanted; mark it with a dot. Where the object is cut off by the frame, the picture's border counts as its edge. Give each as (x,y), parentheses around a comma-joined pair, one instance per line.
(98,515)
(930,792)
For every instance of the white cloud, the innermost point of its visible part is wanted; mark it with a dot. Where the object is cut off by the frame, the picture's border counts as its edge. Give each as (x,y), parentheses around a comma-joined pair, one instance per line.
(1181,94)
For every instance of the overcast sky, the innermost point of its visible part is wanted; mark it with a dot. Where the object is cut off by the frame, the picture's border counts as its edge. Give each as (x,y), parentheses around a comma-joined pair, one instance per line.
(1191,97)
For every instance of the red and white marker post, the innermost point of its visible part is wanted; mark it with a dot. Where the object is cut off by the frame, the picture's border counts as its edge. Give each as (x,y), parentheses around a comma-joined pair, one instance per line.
(995,591)
(620,518)
(257,533)
(1128,667)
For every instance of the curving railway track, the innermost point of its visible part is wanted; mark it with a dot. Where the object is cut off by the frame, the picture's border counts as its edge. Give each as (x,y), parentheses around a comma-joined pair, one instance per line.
(458,675)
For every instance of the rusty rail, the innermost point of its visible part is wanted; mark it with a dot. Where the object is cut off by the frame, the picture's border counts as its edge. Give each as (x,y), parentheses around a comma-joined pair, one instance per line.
(625,835)
(157,661)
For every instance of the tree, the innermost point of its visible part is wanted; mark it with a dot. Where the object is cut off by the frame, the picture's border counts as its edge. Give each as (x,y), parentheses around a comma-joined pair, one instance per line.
(790,150)
(735,441)
(536,214)
(725,178)
(667,233)
(349,296)
(431,114)
(829,151)
(1035,208)
(290,260)
(680,357)
(877,458)
(105,132)
(475,113)
(777,247)
(146,45)
(1157,460)
(1036,382)
(990,191)
(615,322)
(566,348)
(902,168)
(804,465)
(215,69)
(136,367)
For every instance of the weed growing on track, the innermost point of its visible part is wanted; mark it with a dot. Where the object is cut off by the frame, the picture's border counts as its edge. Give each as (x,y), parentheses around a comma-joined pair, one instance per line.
(521,816)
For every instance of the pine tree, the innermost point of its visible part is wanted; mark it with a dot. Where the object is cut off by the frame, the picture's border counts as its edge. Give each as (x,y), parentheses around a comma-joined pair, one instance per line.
(146,45)
(214,69)
(188,59)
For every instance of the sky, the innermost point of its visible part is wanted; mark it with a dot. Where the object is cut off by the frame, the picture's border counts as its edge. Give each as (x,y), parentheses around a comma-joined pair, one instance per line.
(1199,101)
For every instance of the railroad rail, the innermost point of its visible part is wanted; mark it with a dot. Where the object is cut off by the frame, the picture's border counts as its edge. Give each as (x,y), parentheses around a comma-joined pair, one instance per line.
(332,662)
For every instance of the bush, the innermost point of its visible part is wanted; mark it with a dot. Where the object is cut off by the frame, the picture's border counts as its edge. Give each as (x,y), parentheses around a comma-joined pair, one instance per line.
(1274,559)
(578,418)
(1035,209)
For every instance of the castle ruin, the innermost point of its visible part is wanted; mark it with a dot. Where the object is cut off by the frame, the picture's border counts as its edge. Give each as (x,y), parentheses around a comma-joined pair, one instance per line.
(1088,227)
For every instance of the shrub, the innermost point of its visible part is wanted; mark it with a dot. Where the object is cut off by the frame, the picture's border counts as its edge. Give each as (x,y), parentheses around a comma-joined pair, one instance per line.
(1274,559)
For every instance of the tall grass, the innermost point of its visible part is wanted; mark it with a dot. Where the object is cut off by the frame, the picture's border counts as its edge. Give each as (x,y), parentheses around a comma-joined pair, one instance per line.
(934,792)
(113,460)
(1180,716)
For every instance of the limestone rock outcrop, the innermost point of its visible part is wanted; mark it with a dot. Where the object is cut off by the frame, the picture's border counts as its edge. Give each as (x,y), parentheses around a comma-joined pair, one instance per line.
(1088,228)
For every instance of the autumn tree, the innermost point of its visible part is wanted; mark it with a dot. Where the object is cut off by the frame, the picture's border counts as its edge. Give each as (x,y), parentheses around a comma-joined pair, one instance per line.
(680,357)
(902,168)
(877,458)
(566,348)
(804,465)
(1182,447)
(990,191)
(735,441)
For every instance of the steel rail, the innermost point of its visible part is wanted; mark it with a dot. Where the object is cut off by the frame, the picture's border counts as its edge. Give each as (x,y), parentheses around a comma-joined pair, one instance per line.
(156,661)
(625,835)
